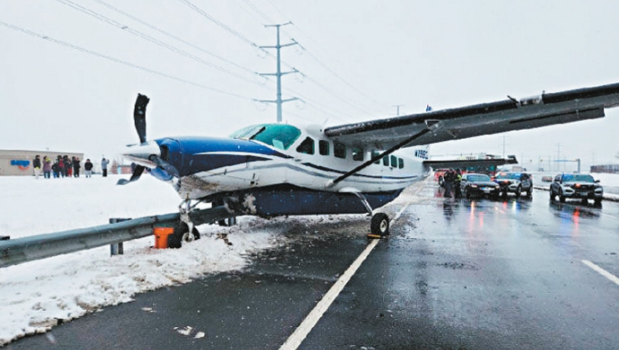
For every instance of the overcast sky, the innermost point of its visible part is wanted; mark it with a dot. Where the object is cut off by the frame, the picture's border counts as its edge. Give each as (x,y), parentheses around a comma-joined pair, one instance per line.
(71,71)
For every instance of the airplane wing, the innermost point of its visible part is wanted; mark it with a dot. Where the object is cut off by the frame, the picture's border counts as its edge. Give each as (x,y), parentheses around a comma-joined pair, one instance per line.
(482,119)
(464,163)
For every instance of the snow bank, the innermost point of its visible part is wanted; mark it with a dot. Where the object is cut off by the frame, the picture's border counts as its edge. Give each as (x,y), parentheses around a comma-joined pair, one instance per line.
(36,296)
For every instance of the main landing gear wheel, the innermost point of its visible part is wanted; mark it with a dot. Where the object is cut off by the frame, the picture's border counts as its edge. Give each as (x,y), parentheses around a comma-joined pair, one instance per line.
(181,234)
(379,226)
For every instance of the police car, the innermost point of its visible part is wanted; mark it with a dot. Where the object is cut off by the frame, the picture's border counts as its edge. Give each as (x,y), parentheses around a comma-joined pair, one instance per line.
(576,186)
(515,183)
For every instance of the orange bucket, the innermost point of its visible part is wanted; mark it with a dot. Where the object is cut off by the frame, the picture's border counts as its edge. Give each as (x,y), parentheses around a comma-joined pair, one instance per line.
(161,236)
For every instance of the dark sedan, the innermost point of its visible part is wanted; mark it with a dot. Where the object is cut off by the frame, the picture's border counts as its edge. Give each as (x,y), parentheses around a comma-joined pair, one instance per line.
(479,185)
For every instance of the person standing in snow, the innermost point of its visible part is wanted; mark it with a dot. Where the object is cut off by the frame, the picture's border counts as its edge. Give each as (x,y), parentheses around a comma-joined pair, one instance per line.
(76,167)
(88,168)
(60,166)
(68,166)
(47,167)
(36,164)
(104,163)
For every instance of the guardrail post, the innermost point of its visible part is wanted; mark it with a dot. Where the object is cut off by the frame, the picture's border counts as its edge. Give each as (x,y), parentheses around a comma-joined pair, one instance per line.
(117,248)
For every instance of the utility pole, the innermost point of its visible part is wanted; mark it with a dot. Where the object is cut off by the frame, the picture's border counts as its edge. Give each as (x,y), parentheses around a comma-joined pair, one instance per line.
(397,108)
(279,72)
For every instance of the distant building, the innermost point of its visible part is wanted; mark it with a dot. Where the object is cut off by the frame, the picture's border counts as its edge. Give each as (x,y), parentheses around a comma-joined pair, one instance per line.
(19,163)
(607,168)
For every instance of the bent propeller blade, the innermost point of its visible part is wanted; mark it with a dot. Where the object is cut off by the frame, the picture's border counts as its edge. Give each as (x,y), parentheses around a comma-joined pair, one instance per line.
(139,116)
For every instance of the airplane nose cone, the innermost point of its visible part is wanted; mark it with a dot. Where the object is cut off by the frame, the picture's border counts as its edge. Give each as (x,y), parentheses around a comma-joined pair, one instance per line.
(142,154)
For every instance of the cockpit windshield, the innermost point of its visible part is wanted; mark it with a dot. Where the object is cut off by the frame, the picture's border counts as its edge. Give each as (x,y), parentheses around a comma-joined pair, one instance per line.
(280,136)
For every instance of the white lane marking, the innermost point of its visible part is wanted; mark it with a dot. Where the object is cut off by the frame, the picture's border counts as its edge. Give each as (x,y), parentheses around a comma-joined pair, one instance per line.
(601,271)
(294,341)
(397,216)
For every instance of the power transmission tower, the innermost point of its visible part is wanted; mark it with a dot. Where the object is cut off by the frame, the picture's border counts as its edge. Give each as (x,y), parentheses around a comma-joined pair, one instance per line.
(279,72)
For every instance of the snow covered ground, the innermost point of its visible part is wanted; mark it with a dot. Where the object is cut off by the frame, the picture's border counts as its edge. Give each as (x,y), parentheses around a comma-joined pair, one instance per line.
(35,296)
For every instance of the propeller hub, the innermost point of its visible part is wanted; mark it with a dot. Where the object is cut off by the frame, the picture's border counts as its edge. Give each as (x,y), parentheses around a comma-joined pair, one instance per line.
(144,154)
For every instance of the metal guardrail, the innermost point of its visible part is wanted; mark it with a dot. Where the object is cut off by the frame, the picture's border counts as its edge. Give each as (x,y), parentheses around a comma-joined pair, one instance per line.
(16,251)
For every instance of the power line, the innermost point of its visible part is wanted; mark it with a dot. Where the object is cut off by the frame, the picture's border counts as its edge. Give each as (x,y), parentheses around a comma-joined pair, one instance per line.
(266,17)
(339,77)
(116,60)
(174,37)
(222,25)
(150,38)
(257,10)
(311,55)
(346,100)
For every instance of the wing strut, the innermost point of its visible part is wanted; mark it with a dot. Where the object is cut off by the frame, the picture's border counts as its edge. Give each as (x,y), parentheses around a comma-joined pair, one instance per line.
(332,183)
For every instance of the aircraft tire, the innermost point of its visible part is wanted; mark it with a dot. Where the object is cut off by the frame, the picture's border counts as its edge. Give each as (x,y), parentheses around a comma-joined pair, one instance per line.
(181,234)
(380,224)
(174,242)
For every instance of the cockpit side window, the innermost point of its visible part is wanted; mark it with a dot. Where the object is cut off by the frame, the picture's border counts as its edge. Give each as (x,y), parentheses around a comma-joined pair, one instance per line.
(307,146)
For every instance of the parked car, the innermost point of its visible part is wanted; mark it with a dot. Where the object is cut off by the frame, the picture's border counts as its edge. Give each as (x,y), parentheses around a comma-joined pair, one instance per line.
(515,183)
(576,186)
(546,178)
(479,185)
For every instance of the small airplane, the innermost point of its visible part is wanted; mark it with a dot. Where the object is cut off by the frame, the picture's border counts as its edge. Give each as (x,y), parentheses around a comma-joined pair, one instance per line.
(283,169)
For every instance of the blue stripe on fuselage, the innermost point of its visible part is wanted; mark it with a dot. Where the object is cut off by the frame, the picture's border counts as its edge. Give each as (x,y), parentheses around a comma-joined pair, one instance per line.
(208,153)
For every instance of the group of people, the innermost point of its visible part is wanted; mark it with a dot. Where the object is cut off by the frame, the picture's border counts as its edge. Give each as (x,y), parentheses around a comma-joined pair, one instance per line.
(62,166)
(451,183)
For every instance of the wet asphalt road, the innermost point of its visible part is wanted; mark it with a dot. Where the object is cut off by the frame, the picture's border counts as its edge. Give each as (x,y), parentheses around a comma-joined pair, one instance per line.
(455,274)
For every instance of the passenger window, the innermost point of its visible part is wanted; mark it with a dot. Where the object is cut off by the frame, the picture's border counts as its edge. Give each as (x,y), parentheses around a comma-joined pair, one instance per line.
(339,150)
(307,146)
(357,154)
(375,154)
(323,147)
(400,163)
(386,160)
(394,161)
